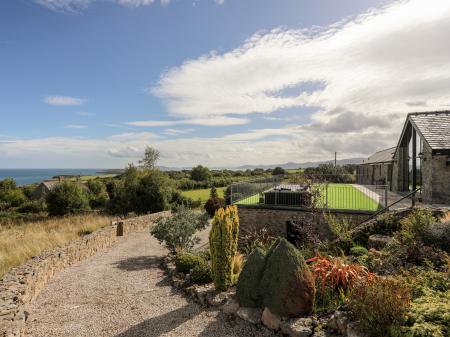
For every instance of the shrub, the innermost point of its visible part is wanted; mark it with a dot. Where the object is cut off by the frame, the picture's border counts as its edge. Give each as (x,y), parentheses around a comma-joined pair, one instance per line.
(287,285)
(429,315)
(380,305)
(214,203)
(247,290)
(438,235)
(238,263)
(184,262)
(336,273)
(33,206)
(256,238)
(177,232)
(223,246)
(200,173)
(67,198)
(302,233)
(358,251)
(342,230)
(386,224)
(201,273)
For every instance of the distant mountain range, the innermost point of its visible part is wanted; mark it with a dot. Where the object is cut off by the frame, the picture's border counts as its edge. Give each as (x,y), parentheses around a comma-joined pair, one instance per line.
(286,166)
(291,165)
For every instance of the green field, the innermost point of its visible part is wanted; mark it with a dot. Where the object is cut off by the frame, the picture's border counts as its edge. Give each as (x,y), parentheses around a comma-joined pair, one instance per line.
(294,171)
(340,196)
(202,194)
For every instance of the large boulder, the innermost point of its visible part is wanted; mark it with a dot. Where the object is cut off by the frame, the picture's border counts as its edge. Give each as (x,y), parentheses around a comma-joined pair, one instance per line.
(287,285)
(248,285)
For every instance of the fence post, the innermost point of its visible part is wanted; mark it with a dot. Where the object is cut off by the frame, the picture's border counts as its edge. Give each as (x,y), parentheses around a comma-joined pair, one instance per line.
(385,196)
(326,196)
(231,194)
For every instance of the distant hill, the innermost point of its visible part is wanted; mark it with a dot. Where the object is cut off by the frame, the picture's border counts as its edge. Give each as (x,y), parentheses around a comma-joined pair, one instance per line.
(291,165)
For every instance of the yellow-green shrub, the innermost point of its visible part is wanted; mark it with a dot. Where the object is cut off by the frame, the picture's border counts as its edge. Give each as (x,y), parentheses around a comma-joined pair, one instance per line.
(223,246)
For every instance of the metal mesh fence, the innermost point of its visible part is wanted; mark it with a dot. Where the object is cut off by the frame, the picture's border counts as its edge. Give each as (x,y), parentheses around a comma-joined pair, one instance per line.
(322,192)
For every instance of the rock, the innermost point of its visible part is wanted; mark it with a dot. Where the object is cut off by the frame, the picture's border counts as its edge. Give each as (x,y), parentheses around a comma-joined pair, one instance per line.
(297,327)
(230,307)
(252,315)
(353,330)
(332,323)
(270,320)
(378,241)
(342,321)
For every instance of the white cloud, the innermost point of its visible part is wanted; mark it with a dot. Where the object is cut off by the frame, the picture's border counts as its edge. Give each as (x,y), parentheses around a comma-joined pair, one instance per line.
(374,65)
(75,126)
(208,121)
(77,6)
(219,2)
(63,100)
(177,132)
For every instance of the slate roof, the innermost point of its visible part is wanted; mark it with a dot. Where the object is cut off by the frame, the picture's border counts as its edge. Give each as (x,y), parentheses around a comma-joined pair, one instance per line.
(434,128)
(383,156)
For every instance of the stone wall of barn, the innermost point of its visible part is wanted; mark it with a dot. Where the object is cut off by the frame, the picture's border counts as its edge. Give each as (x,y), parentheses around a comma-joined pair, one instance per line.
(436,178)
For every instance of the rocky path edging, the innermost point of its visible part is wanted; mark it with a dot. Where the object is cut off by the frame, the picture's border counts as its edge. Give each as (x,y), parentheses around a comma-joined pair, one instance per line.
(22,284)
(336,325)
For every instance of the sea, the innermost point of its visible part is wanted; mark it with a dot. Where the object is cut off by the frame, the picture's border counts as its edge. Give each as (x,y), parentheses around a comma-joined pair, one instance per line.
(30,176)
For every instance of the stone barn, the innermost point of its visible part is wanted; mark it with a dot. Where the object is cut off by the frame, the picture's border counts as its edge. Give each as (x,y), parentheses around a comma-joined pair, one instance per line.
(377,169)
(422,157)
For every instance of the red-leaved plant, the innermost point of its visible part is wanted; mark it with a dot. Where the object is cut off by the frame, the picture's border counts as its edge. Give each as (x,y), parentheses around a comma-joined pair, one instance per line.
(336,273)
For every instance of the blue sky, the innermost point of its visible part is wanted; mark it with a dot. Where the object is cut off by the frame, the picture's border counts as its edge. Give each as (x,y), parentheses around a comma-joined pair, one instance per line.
(90,83)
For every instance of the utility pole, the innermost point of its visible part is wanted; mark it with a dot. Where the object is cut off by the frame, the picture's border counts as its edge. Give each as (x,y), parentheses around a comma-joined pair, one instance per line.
(335,157)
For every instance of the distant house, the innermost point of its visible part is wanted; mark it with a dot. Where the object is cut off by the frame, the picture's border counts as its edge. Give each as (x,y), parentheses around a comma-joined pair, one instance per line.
(47,185)
(420,159)
(377,169)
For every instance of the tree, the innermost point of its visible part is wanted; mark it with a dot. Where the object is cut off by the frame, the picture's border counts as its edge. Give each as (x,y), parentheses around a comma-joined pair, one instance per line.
(278,171)
(201,173)
(151,157)
(67,198)
(98,197)
(10,194)
(214,202)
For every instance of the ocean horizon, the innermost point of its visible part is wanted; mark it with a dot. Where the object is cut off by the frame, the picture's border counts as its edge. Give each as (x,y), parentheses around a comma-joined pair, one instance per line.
(30,176)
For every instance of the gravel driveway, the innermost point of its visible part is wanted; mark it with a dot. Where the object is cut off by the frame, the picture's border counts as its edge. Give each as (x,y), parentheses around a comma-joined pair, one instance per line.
(122,292)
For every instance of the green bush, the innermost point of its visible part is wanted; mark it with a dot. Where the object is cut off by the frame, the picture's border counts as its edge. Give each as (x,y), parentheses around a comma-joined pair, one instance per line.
(214,202)
(98,197)
(223,246)
(380,306)
(33,206)
(178,231)
(358,251)
(185,262)
(248,285)
(287,284)
(429,315)
(201,273)
(67,198)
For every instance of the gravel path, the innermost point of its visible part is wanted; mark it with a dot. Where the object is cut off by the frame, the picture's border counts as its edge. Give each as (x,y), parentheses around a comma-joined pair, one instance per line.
(122,292)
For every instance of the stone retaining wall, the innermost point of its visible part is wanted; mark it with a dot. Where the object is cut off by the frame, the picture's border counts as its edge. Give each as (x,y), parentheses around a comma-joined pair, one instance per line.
(22,284)
(275,218)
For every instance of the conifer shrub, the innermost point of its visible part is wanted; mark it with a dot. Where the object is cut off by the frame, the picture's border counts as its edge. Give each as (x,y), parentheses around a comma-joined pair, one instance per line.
(248,285)
(358,251)
(223,246)
(214,202)
(287,285)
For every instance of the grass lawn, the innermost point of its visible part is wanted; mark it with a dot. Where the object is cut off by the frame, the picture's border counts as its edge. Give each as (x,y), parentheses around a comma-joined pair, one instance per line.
(202,194)
(340,196)
(294,171)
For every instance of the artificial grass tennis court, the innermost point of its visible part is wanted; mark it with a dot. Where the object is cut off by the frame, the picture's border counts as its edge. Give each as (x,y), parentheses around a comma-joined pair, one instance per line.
(340,196)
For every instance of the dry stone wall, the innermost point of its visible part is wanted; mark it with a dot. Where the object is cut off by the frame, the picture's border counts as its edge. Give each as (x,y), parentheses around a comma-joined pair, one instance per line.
(22,284)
